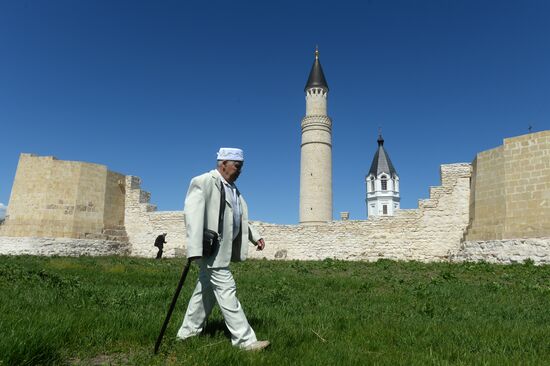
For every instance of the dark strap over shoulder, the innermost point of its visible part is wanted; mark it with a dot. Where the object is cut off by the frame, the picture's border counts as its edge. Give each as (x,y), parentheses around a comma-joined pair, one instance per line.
(222,210)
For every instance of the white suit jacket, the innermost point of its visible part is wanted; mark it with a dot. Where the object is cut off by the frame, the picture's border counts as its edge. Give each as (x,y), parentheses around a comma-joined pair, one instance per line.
(202,206)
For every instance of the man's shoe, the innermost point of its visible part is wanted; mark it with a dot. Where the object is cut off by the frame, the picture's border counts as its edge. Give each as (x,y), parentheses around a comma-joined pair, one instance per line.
(181,339)
(257,346)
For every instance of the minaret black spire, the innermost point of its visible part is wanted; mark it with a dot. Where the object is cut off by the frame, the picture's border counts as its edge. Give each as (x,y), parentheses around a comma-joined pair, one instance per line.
(316,76)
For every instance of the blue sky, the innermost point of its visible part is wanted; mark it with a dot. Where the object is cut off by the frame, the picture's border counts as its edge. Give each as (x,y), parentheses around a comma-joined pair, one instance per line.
(153,89)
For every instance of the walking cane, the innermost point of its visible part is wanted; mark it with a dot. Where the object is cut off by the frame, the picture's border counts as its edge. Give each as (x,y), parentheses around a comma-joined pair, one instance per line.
(173,304)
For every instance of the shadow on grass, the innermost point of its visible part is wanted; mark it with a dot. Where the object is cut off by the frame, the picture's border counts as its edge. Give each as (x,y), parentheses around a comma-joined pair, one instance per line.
(215,327)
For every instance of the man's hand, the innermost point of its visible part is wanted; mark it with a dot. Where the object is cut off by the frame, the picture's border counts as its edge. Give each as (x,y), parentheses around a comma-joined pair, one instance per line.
(260,244)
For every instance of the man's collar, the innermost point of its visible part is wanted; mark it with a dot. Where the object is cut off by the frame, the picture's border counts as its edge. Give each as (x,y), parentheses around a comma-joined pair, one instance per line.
(223,179)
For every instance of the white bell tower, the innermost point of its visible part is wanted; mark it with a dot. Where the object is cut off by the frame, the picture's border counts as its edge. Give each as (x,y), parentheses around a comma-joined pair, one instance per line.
(382,184)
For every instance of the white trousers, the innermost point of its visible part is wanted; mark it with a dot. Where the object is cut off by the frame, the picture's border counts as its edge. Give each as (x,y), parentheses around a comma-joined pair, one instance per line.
(216,284)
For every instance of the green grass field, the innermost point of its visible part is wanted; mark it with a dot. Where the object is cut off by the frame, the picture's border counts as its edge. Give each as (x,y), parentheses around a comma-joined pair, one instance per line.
(95,311)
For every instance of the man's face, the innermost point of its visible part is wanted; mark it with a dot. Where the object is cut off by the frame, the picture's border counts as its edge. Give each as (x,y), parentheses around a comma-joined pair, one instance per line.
(231,170)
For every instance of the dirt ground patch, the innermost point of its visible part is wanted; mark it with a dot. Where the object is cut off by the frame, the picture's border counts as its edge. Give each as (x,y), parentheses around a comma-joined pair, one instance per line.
(101,360)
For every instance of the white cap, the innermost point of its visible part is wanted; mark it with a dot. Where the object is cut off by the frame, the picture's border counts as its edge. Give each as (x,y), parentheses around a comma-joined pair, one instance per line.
(230,153)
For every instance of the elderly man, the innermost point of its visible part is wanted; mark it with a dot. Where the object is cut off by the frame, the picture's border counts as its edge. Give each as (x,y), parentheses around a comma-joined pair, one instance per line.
(203,205)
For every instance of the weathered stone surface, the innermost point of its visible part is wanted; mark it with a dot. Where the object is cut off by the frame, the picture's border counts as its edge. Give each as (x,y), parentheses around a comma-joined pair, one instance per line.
(143,223)
(57,198)
(505,251)
(511,190)
(61,246)
(430,233)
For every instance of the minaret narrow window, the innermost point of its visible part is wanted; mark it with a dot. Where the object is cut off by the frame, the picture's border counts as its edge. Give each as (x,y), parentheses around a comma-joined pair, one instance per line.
(384,182)
(384,209)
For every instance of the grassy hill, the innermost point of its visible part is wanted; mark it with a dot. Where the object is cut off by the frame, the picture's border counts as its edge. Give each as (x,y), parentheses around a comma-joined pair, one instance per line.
(95,311)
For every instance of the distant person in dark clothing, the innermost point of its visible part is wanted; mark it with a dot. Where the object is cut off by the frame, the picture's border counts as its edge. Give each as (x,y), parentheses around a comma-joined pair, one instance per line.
(159,243)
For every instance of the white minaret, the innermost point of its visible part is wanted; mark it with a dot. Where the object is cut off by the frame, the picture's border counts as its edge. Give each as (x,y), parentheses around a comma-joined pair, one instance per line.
(316,151)
(382,184)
